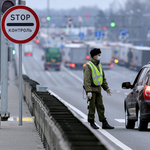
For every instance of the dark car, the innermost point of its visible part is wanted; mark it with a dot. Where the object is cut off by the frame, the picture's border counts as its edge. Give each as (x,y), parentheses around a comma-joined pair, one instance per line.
(137,102)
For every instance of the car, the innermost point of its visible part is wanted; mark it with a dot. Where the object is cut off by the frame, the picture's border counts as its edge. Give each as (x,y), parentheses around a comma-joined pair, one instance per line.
(137,102)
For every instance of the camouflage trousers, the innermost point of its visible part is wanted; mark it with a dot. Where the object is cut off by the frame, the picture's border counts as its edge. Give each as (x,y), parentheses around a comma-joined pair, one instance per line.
(96,102)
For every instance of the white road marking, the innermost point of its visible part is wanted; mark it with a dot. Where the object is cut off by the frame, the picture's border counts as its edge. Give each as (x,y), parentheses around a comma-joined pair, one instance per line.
(36,73)
(11,119)
(23,69)
(84,118)
(120,120)
(35,58)
(75,76)
(53,79)
(118,91)
(126,93)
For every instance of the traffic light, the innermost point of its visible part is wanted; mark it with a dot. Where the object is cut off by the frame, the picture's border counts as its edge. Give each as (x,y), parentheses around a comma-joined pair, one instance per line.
(112,24)
(48,18)
(6,4)
(13,52)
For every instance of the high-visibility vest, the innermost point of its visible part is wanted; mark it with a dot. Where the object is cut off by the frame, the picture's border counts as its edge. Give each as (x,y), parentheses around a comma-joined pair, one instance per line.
(97,75)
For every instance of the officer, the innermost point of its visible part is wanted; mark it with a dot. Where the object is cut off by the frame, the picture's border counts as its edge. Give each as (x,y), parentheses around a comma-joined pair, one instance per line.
(94,79)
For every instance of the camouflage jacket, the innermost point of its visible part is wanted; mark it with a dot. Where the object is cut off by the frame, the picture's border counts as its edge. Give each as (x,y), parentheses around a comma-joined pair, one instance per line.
(88,82)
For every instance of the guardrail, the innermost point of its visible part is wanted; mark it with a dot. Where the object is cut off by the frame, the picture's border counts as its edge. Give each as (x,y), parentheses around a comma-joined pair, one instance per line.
(58,127)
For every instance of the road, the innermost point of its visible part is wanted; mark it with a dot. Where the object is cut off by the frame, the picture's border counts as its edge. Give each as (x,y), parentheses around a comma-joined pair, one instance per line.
(67,84)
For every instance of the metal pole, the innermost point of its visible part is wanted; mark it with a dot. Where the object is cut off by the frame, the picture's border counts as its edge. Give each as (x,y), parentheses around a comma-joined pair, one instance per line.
(4,78)
(0,68)
(0,52)
(20,84)
(19,2)
(47,20)
(20,79)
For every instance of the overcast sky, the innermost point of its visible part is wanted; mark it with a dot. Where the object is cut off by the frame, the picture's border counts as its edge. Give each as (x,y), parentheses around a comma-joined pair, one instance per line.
(66,4)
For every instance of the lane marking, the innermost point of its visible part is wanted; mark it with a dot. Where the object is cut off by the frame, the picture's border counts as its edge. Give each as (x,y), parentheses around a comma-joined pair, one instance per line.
(84,118)
(53,79)
(35,58)
(26,119)
(72,74)
(120,120)
(11,119)
(36,73)
(23,69)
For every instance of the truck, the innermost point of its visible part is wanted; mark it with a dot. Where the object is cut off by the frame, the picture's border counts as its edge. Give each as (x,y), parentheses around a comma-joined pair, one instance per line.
(107,59)
(140,57)
(74,55)
(52,58)
(28,49)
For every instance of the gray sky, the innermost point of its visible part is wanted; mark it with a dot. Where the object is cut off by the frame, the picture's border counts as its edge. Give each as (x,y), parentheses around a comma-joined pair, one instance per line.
(66,4)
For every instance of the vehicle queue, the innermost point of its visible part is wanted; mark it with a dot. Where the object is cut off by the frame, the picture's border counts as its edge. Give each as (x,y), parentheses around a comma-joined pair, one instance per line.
(131,56)
(76,54)
(124,54)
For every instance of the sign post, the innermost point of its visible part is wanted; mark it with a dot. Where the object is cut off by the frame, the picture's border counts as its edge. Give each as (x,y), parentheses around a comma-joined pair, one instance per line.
(20,24)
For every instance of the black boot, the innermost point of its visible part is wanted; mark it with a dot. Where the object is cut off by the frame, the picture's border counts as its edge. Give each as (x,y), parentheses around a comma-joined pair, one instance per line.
(93,125)
(105,125)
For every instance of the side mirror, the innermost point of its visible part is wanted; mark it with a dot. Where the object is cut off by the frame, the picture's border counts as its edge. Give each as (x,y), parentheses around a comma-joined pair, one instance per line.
(126,85)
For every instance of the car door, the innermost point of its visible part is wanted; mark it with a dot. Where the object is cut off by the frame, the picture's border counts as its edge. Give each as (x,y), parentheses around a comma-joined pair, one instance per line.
(134,94)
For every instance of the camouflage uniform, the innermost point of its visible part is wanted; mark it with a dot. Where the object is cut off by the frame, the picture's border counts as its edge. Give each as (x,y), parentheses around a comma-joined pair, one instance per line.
(96,100)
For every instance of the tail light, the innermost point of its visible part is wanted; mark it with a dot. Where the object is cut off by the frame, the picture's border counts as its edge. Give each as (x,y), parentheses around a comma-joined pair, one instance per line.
(28,54)
(111,65)
(47,66)
(147,92)
(72,65)
(87,57)
(84,65)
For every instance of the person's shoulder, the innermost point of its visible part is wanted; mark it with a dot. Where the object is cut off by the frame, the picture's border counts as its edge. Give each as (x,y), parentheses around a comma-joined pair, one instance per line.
(86,66)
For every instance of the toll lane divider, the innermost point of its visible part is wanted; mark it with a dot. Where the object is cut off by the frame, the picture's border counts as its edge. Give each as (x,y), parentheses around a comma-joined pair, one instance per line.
(59,128)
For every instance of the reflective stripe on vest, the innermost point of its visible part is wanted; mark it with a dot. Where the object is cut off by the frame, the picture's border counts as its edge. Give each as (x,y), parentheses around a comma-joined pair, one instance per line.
(97,75)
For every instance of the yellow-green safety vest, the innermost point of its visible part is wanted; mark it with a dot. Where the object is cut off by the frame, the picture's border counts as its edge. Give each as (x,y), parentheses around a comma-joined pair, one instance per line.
(97,75)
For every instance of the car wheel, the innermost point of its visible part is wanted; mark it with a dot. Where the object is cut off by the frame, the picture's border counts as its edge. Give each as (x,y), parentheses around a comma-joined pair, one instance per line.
(129,123)
(142,125)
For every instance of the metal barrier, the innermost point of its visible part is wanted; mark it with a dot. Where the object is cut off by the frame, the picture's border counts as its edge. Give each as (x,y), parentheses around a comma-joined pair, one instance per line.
(59,129)
(48,130)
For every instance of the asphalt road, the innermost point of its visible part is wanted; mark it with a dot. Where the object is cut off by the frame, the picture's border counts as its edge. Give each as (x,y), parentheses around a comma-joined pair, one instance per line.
(67,84)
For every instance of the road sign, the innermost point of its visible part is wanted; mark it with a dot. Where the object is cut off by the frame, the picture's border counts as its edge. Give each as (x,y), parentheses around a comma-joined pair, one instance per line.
(81,35)
(123,32)
(69,20)
(103,33)
(98,34)
(20,24)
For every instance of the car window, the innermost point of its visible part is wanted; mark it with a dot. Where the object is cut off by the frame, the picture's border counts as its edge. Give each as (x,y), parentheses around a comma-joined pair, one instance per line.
(147,80)
(142,77)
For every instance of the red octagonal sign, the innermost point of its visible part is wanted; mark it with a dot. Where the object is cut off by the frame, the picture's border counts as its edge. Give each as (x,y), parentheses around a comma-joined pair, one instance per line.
(20,24)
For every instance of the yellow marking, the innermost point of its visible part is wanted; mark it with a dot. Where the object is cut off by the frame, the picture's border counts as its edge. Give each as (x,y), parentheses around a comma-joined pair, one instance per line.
(25,119)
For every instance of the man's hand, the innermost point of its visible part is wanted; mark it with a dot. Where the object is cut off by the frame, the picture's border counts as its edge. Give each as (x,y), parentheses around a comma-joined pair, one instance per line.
(109,92)
(89,95)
